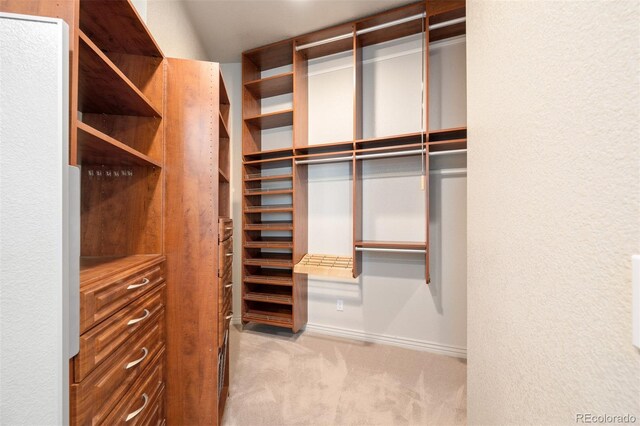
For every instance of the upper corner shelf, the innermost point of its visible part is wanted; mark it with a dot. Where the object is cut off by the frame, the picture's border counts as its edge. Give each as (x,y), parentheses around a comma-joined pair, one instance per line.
(99,76)
(271,120)
(115,26)
(272,56)
(271,86)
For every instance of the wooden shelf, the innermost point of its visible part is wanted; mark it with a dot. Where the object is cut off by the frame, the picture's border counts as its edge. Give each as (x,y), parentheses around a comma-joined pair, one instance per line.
(274,155)
(97,148)
(271,86)
(275,208)
(448,134)
(268,317)
(447,145)
(392,245)
(104,89)
(270,242)
(271,56)
(250,178)
(116,27)
(281,299)
(223,175)
(271,120)
(95,268)
(334,147)
(325,264)
(269,226)
(224,131)
(275,262)
(285,281)
(391,140)
(274,191)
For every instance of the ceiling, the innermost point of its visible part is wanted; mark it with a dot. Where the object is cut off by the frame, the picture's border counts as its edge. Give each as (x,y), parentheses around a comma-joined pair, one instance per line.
(228,27)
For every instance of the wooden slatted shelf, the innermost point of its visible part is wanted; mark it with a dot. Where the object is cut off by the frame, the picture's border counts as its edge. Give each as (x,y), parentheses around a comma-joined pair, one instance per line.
(269,298)
(257,177)
(98,76)
(97,148)
(271,120)
(392,244)
(325,264)
(270,242)
(274,208)
(116,27)
(271,86)
(269,226)
(276,280)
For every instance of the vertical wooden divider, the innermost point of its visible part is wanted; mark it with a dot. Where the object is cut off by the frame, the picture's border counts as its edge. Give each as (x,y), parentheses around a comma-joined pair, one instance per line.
(427,270)
(357,165)
(300,185)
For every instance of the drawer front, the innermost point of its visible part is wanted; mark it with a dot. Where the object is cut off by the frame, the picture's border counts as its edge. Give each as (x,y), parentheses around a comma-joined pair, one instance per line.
(102,299)
(141,398)
(156,411)
(225,288)
(93,398)
(100,342)
(223,321)
(225,228)
(225,254)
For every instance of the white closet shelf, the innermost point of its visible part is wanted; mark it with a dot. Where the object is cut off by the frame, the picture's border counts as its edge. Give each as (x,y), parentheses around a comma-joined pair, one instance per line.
(326,265)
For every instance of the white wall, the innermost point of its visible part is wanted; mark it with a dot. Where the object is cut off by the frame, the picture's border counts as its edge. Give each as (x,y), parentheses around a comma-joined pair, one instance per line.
(554,209)
(171,26)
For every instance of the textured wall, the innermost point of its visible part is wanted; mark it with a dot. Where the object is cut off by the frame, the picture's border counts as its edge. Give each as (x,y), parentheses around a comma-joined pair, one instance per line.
(171,26)
(553,209)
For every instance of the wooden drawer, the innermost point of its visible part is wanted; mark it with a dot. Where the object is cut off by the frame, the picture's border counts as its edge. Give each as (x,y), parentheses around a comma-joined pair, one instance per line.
(101,299)
(155,413)
(225,228)
(94,397)
(101,341)
(225,254)
(223,321)
(225,288)
(142,397)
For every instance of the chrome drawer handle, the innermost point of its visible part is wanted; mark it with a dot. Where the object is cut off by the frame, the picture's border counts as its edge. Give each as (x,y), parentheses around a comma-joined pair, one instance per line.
(145,281)
(139,410)
(139,360)
(136,320)
(228,285)
(228,228)
(229,254)
(228,317)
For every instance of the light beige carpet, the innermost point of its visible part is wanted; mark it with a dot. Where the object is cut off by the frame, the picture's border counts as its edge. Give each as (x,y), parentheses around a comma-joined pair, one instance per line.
(282,379)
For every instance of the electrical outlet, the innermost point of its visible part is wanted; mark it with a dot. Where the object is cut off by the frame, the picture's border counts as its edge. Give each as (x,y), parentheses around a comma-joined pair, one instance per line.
(339,305)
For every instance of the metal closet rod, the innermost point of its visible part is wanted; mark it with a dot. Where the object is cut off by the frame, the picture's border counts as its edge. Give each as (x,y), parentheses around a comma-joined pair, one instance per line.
(391,250)
(380,27)
(380,155)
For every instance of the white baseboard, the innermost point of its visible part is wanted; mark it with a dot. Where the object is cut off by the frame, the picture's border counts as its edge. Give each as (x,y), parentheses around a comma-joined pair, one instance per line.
(363,336)
(403,342)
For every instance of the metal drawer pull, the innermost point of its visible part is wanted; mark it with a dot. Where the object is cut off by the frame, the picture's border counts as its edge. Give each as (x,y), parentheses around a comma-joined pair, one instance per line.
(136,320)
(228,228)
(229,254)
(228,317)
(145,281)
(139,360)
(139,410)
(228,285)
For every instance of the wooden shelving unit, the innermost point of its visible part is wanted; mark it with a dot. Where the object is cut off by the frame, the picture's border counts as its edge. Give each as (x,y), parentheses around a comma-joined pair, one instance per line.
(260,230)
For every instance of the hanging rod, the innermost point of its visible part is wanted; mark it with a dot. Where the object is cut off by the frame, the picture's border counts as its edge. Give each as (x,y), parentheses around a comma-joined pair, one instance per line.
(391,250)
(379,27)
(380,155)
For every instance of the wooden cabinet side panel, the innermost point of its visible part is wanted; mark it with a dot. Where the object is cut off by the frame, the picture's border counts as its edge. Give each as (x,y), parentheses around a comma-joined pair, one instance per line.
(191,240)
